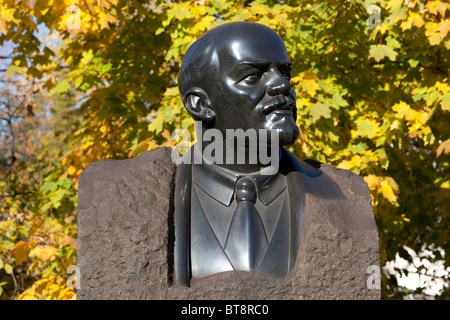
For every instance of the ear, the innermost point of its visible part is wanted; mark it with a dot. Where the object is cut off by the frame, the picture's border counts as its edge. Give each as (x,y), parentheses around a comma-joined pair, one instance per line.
(198,105)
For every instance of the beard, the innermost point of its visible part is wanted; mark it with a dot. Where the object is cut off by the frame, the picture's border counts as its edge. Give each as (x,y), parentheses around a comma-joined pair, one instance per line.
(288,131)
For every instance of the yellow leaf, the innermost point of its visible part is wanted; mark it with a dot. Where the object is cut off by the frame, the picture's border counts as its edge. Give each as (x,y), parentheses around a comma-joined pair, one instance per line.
(395,125)
(8,268)
(387,192)
(171,91)
(444,147)
(444,28)
(37,223)
(31,3)
(71,20)
(20,252)
(27,295)
(261,9)
(417,19)
(310,86)
(394,4)
(71,170)
(432,33)
(7,14)
(407,24)
(384,28)
(105,18)
(45,252)
(103,4)
(445,185)
(296,79)
(33,266)
(436,7)
(3,26)
(372,181)
(402,110)
(414,19)
(68,241)
(392,184)
(198,11)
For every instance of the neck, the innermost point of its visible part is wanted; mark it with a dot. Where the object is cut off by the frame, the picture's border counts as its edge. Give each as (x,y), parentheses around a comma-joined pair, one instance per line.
(238,154)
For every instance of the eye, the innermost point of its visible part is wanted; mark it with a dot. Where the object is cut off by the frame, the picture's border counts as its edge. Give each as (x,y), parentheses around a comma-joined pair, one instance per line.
(286,72)
(252,78)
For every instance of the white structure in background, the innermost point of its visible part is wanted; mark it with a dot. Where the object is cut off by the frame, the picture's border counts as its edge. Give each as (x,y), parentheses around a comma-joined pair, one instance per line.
(432,277)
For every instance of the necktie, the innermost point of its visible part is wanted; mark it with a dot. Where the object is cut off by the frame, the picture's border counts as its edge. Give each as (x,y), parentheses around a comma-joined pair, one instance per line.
(247,242)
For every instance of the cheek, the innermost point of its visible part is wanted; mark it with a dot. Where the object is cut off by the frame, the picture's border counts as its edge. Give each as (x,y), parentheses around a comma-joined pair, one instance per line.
(247,94)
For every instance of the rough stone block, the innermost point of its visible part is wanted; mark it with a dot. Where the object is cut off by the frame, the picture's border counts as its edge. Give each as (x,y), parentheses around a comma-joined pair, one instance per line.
(126,236)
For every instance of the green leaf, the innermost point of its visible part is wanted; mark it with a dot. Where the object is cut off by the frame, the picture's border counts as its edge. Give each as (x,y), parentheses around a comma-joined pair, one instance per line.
(179,13)
(366,128)
(338,101)
(378,52)
(320,110)
(360,148)
(49,187)
(156,125)
(56,201)
(12,69)
(61,87)
(445,101)
(413,63)
(79,81)
(65,183)
(172,53)
(220,4)
(46,206)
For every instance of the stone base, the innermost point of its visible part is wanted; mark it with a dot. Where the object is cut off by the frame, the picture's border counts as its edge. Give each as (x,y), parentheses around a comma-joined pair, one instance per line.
(126,236)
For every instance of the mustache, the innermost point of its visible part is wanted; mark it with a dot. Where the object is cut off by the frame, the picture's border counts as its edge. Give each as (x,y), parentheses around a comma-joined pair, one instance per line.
(280,103)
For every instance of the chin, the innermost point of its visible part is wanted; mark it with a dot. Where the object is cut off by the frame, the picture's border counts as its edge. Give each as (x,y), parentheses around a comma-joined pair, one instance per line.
(289,136)
(287,130)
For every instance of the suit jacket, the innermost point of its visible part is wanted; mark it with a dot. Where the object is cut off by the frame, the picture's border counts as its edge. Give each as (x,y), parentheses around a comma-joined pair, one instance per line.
(284,233)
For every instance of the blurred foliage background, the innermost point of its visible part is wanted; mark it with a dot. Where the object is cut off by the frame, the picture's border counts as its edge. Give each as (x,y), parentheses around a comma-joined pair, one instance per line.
(87,80)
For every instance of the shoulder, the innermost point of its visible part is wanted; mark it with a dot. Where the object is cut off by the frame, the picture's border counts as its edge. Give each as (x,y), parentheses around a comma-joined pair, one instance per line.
(110,169)
(327,181)
(125,191)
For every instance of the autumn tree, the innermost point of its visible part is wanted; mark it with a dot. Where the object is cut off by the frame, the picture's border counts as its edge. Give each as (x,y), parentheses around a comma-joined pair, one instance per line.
(36,204)
(373,99)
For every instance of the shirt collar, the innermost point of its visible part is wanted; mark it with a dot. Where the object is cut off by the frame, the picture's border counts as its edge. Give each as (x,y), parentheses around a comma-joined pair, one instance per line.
(219,183)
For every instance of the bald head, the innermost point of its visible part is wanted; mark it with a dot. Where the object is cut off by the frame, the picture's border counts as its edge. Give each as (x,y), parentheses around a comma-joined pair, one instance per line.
(222,45)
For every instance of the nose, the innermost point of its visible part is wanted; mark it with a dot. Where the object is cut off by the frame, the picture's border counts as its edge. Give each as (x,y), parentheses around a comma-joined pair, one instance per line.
(279,84)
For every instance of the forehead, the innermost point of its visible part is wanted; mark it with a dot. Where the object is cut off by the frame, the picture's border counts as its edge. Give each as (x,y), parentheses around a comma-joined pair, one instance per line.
(252,44)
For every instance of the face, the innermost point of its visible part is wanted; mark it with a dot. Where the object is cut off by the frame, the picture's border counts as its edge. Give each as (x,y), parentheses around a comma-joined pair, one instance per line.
(253,87)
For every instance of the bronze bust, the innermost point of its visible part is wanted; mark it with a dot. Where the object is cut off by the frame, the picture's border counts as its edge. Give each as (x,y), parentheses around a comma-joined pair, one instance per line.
(230,214)
(239,217)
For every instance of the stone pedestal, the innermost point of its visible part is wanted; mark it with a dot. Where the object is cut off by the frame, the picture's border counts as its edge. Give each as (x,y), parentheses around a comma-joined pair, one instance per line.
(126,237)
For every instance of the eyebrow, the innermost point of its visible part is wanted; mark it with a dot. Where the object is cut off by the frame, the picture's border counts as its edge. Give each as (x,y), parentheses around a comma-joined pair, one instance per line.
(265,63)
(260,64)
